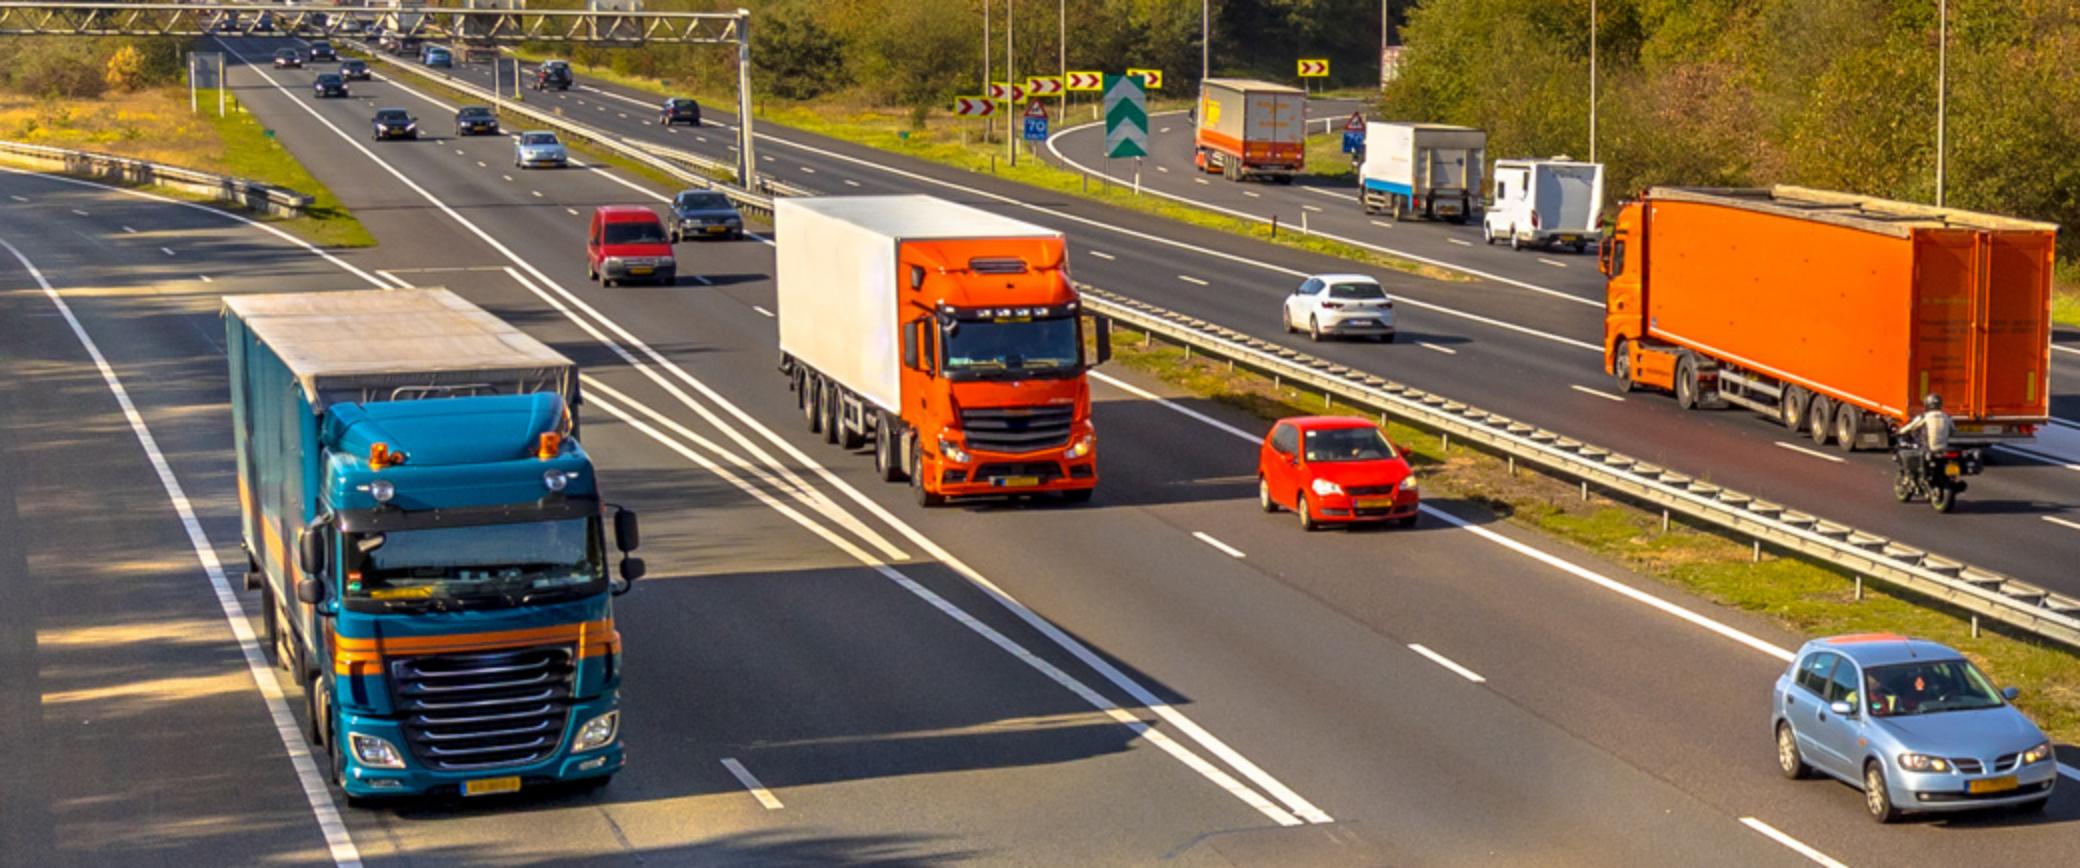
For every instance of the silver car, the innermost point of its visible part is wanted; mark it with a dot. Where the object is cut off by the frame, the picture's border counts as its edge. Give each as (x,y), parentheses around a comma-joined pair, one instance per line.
(539,148)
(1913,723)
(1340,304)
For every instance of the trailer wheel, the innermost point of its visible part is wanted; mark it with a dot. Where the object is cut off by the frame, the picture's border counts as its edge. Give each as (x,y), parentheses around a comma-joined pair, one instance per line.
(829,393)
(848,439)
(811,396)
(1792,408)
(1848,420)
(1820,419)
(1365,201)
(1686,384)
(1621,367)
(271,625)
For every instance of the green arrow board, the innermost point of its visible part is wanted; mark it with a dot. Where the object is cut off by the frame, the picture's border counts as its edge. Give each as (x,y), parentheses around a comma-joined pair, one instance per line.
(1126,116)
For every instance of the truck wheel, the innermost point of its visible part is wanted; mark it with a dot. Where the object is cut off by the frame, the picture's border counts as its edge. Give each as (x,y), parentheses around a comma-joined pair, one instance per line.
(925,498)
(1848,420)
(1791,410)
(1365,201)
(830,413)
(812,403)
(848,439)
(1621,367)
(1686,384)
(1515,243)
(271,626)
(313,709)
(1400,207)
(1820,419)
(886,461)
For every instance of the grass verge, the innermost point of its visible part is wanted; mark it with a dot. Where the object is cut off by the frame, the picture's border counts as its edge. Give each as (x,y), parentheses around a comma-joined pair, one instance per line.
(2065,294)
(1326,159)
(155,124)
(940,138)
(1807,598)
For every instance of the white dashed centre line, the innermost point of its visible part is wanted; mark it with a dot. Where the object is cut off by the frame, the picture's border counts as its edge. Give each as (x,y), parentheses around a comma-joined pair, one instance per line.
(1163,169)
(205,278)
(480,164)
(1253,194)
(1199,180)
(1224,548)
(1430,346)
(1598,393)
(701,138)
(808,170)
(129,230)
(851,183)
(573,211)
(2071,525)
(458,152)
(1460,242)
(762,311)
(1192,280)
(758,790)
(1445,662)
(17,198)
(1835,459)
(81,213)
(1102,255)
(1553,262)
(766,158)
(1382,224)
(166,250)
(537,193)
(1163,130)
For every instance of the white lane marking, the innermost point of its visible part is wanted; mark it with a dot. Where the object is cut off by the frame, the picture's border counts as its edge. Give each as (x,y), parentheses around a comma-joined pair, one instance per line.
(1224,548)
(572,211)
(537,193)
(166,250)
(1163,169)
(2053,346)
(1553,262)
(2072,525)
(1447,663)
(1331,193)
(851,183)
(766,157)
(1460,241)
(1200,181)
(17,198)
(1810,453)
(1253,194)
(1102,255)
(1526,550)
(2045,457)
(702,138)
(480,164)
(129,230)
(758,790)
(205,278)
(507,177)
(1190,279)
(1598,393)
(702,280)
(1382,224)
(1794,844)
(1439,348)
(807,170)
(458,152)
(1315,208)
(315,792)
(762,311)
(81,213)
(624,115)
(1163,130)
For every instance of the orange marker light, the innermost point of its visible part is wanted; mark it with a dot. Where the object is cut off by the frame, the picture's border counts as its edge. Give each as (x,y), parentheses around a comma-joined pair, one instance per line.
(551,444)
(379,456)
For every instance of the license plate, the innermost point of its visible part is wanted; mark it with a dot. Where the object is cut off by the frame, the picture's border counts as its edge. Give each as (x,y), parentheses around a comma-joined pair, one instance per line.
(1018,481)
(1952,469)
(717,230)
(1372,502)
(639,269)
(1992,785)
(491,786)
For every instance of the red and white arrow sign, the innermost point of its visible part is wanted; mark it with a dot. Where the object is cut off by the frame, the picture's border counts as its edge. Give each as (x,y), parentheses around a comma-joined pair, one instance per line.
(974,105)
(1044,85)
(1002,91)
(1086,81)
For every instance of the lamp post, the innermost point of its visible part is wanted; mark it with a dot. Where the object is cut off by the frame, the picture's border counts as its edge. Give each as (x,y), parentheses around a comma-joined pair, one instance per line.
(1592,80)
(1205,40)
(1010,78)
(989,124)
(1942,87)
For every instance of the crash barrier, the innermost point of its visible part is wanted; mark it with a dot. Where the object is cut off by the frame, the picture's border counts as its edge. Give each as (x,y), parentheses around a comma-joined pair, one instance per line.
(252,195)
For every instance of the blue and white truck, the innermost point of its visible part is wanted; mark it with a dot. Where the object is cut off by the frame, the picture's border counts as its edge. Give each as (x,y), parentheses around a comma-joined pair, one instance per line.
(429,541)
(1422,170)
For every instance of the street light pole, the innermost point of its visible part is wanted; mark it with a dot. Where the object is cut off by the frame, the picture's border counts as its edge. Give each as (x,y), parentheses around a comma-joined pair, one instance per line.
(1010,77)
(989,124)
(1942,88)
(1592,80)
(1205,40)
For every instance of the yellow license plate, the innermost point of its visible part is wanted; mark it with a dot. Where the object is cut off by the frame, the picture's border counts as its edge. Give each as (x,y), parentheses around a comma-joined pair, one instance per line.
(639,269)
(1372,502)
(715,230)
(1992,785)
(1018,482)
(491,786)
(1952,469)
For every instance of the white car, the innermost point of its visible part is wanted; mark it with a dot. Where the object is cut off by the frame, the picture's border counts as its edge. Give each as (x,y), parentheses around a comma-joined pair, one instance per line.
(1340,304)
(539,148)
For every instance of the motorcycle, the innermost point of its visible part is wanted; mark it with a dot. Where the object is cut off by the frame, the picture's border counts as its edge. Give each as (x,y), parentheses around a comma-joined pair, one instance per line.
(1937,477)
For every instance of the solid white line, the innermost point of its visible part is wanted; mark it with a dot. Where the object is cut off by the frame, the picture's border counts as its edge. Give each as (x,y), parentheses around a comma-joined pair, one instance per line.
(1190,279)
(1101,255)
(315,792)
(2074,525)
(1812,453)
(166,250)
(1442,349)
(1460,242)
(851,183)
(762,311)
(758,790)
(1553,262)
(1382,224)
(1226,549)
(2061,349)
(2047,458)
(1794,844)
(1445,662)
(1331,193)
(1598,393)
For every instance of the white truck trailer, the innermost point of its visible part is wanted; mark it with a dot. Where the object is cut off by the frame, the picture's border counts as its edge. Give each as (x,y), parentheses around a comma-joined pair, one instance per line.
(1251,129)
(1545,202)
(1425,170)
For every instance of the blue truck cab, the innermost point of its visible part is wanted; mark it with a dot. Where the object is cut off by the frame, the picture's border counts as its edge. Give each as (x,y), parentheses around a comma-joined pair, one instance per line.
(429,541)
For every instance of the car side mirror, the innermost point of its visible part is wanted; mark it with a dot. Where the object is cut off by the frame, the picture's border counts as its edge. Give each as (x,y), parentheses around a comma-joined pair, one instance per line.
(2009,693)
(1842,708)
(626,535)
(310,552)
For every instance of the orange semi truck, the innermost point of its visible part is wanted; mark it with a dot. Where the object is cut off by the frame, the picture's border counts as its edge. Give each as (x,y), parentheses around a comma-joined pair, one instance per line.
(947,336)
(1250,129)
(1834,314)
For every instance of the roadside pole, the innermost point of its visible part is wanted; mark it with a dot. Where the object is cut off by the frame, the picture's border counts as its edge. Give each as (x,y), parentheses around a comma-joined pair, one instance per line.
(747,174)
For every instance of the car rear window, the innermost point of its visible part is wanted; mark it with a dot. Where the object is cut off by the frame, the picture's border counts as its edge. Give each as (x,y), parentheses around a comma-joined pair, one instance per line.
(1357,292)
(635,232)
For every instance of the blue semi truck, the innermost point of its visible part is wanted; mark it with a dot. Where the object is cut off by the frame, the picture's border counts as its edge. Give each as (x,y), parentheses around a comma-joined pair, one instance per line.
(429,541)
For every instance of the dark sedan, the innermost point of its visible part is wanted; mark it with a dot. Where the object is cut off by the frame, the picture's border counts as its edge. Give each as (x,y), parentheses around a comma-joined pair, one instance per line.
(395,123)
(323,51)
(288,58)
(354,70)
(699,213)
(679,110)
(328,84)
(473,119)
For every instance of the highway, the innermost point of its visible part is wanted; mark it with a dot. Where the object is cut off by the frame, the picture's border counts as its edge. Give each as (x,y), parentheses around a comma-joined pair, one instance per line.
(996,684)
(1519,345)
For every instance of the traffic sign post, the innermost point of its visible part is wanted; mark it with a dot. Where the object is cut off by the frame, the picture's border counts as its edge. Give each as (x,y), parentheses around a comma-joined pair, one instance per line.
(1036,122)
(1126,116)
(1151,79)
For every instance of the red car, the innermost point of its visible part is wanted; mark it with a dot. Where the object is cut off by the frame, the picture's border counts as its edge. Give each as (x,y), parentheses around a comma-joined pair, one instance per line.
(1334,470)
(628,242)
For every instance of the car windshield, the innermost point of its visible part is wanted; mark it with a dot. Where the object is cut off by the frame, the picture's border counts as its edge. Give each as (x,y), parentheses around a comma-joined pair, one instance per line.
(538,139)
(328,78)
(475,111)
(1927,688)
(352,64)
(286,52)
(1357,292)
(489,564)
(703,201)
(635,232)
(393,116)
(981,347)
(1348,444)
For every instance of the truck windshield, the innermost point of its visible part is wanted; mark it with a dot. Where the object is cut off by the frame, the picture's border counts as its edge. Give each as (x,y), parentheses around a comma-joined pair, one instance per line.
(476,565)
(982,348)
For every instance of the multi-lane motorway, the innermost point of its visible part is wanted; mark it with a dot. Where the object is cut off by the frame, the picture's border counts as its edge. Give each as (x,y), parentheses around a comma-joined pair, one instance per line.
(819,670)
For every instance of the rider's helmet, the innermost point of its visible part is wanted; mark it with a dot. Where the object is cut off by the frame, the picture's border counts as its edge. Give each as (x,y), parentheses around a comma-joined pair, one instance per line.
(1933,401)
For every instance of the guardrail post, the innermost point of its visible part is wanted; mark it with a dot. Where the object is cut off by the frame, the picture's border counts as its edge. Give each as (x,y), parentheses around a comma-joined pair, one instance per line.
(1758,552)
(1585,491)
(1975,626)
(1859,593)
(1664,521)
(1444,439)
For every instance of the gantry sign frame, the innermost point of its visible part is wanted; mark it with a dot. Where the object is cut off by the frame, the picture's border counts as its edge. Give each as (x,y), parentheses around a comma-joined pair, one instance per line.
(604,28)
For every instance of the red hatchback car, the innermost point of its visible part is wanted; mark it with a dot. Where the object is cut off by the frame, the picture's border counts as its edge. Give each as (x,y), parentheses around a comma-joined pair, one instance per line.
(627,242)
(1335,470)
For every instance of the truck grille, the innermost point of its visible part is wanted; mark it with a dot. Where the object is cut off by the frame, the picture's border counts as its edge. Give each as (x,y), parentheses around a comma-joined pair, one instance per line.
(484,709)
(1017,429)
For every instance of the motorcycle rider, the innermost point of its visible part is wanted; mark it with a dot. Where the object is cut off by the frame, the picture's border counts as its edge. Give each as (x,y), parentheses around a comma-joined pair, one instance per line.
(1935,428)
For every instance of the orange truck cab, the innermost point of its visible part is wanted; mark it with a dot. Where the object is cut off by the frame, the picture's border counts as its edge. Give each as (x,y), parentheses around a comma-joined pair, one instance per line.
(1832,313)
(947,336)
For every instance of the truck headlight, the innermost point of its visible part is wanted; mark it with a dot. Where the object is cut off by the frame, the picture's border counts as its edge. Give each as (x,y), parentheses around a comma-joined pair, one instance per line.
(597,732)
(1920,762)
(374,752)
(952,451)
(2037,754)
(1325,487)
(1083,447)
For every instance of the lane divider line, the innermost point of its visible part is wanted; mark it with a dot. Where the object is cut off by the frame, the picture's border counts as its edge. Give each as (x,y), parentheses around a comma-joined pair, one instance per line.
(758,791)
(1447,663)
(1809,453)
(1192,280)
(1224,548)
(1598,393)
(2070,525)
(1795,845)
(1437,347)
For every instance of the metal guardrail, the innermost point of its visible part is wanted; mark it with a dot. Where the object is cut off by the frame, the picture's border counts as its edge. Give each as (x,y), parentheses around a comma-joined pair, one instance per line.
(1982,592)
(265,198)
(622,27)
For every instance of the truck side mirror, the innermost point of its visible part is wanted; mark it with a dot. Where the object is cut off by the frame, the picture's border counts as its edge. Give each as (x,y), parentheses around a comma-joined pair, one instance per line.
(1104,324)
(1603,256)
(310,552)
(626,535)
(633,569)
(310,591)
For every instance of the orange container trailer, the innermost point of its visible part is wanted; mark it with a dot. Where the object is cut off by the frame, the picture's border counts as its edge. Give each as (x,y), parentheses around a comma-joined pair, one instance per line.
(1834,314)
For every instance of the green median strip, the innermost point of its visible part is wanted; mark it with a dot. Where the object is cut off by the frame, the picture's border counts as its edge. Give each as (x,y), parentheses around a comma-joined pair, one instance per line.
(1806,598)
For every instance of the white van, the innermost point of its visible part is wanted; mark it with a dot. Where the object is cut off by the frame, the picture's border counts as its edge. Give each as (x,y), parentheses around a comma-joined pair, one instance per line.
(1545,202)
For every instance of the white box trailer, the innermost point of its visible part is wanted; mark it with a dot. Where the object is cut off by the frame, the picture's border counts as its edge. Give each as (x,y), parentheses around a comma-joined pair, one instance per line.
(1426,170)
(1251,128)
(1545,202)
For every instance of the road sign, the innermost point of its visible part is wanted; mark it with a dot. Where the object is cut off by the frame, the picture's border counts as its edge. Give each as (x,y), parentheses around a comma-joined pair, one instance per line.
(1353,141)
(1036,125)
(1151,79)
(1314,68)
(1086,82)
(974,106)
(1044,85)
(1003,91)
(1126,116)
(1356,124)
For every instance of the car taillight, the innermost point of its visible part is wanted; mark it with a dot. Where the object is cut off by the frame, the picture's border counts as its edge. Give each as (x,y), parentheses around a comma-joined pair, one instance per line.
(1534,219)
(1332,305)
